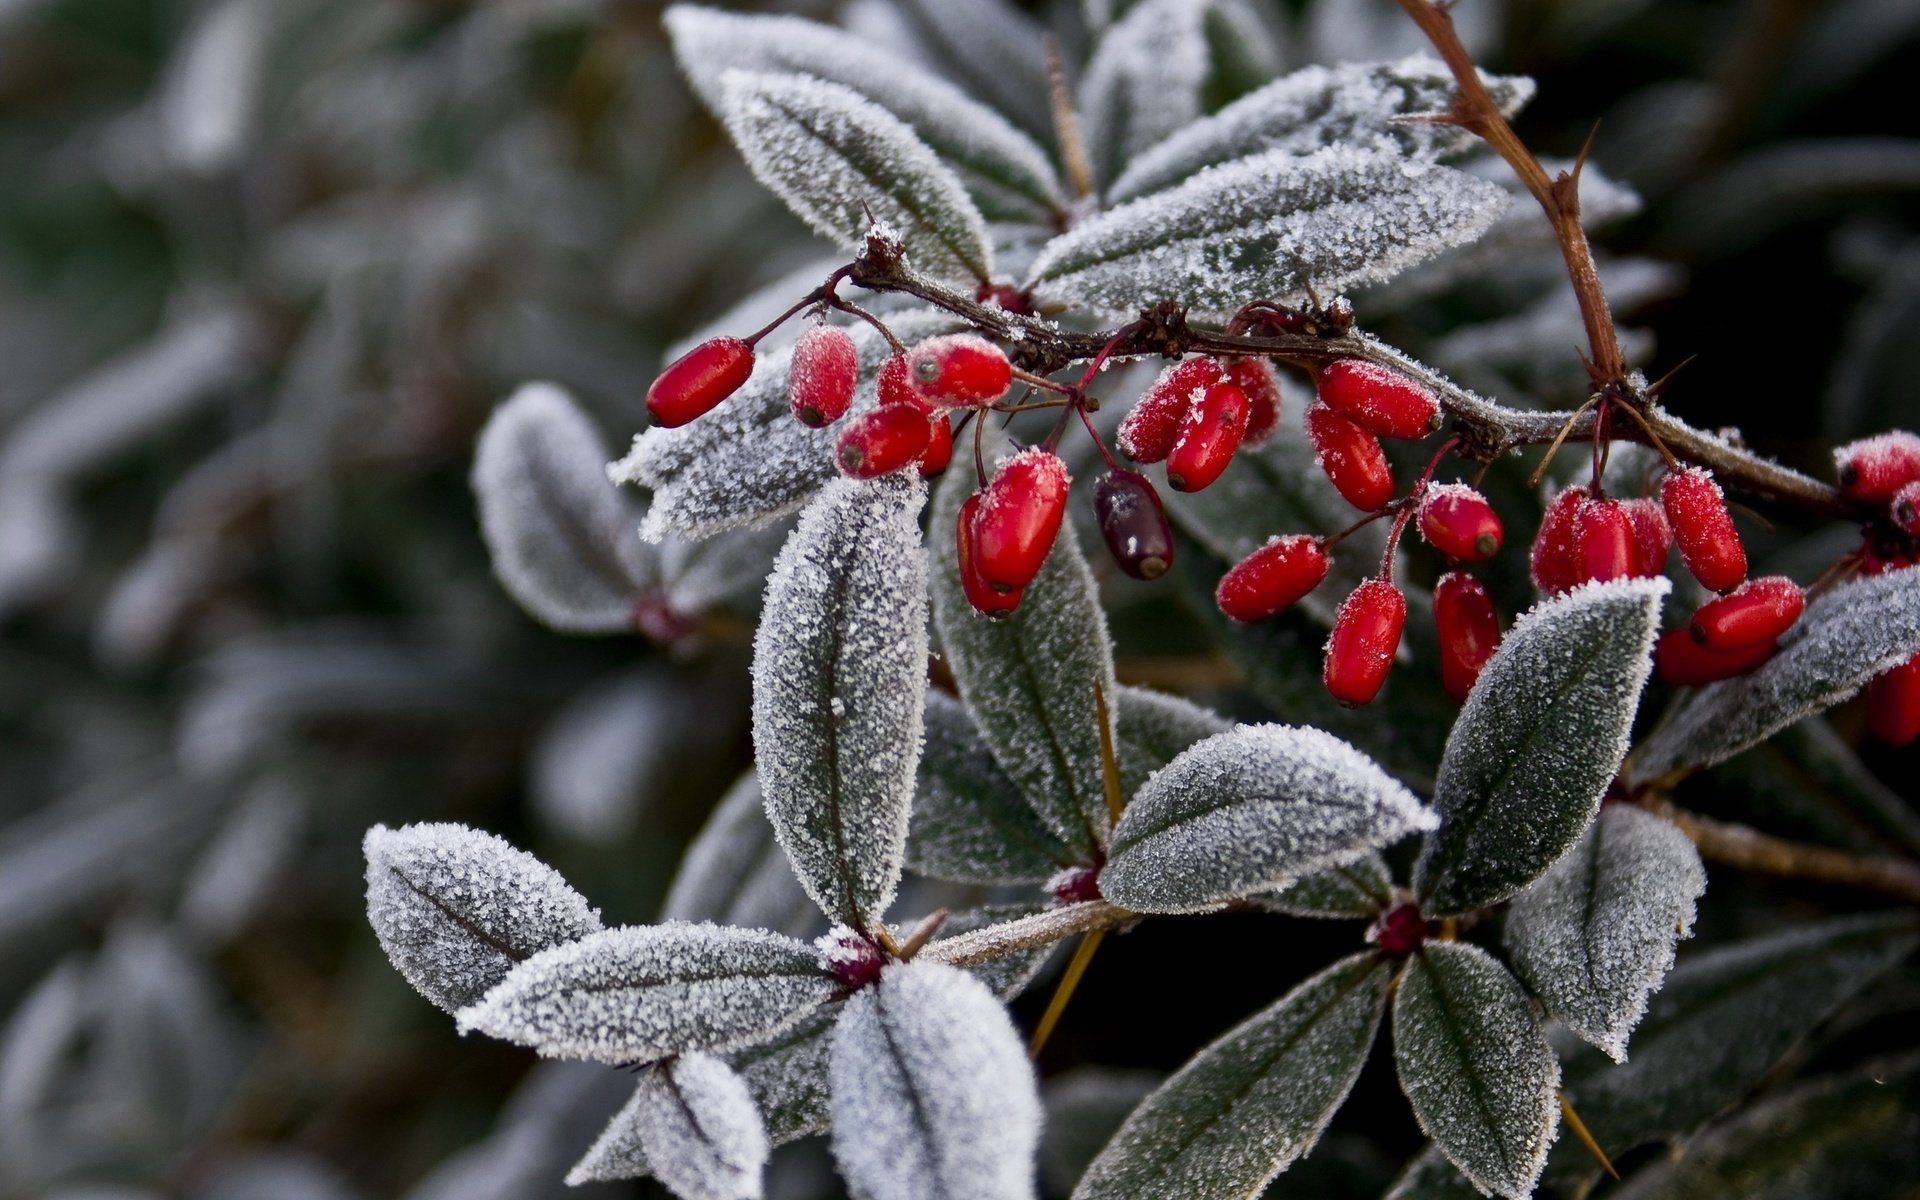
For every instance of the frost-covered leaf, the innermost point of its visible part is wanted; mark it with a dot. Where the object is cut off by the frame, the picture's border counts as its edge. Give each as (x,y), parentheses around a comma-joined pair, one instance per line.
(933,1097)
(1028,679)
(1351,104)
(1360,889)
(1594,936)
(748,462)
(641,992)
(1004,170)
(1250,810)
(692,1125)
(990,46)
(1540,739)
(456,909)
(787,1075)
(1154,729)
(1476,1066)
(970,822)
(1846,637)
(838,666)
(1244,1108)
(844,164)
(735,873)
(1269,226)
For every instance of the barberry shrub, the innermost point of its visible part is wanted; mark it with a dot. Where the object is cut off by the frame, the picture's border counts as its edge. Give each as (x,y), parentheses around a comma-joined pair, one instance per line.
(935,691)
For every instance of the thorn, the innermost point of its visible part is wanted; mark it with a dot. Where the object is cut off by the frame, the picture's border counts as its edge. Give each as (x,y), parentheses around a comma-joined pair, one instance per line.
(923,933)
(1660,385)
(1584,1135)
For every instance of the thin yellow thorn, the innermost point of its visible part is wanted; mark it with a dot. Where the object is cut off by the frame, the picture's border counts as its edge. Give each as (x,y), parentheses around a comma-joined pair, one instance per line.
(1082,955)
(1584,1134)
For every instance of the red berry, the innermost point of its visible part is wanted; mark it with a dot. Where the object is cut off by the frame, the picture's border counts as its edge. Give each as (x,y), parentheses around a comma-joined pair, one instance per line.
(853,958)
(1757,611)
(1351,457)
(1603,542)
(1652,536)
(980,594)
(881,440)
(1133,524)
(939,451)
(1702,528)
(1019,516)
(1365,635)
(1683,662)
(1556,567)
(1458,522)
(1075,885)
(1905,509)
(820,382)
(1468,630)
(1208,438)
(1151,425)
(958,370)
(1273,578)
(1873,469)
(1006,295)
(1256,378)
(1400,931)
(1379,399)
(896,386)
(1893,703)
(699,379)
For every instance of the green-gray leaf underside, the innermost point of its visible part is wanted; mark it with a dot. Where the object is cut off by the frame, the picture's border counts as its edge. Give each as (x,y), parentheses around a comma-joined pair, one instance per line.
(971,823)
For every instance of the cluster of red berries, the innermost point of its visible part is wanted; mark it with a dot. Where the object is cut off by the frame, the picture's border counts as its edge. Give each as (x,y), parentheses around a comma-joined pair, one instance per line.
(1884,472)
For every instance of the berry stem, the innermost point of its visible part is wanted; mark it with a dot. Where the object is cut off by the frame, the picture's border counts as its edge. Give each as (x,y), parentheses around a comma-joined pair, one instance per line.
(1093,433)
(848,306)
(1747,848)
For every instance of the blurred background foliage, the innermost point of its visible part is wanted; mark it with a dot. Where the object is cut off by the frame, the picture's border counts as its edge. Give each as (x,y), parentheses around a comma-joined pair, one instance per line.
(265,268)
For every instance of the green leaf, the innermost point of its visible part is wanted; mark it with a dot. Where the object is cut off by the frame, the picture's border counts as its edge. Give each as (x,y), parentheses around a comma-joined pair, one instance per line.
(1001,167)
(1028,679)
(1268,226)
(1846,637)
(1361,888)
(1540,739)
(992,47)
(1476,1066)
(1254,1101)
(1154,729)
(1250,810)
(1594,936)
(972,824)
(843,164)
(788,1077)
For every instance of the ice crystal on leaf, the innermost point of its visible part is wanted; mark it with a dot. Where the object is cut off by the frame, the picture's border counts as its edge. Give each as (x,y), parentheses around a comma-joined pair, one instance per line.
(788,1076)
(641,992)
(1154,728)
(456,909)
(843,164)
(1270,226)
(991,46)
(692,1125)
(971,823)
(1143,81)
(838,666)
(1594,936)
(1359,889)
(1250,810)
(933,1097)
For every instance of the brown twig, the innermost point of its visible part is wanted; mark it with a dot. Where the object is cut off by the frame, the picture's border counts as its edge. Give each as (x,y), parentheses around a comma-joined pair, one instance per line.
(1749,849)
(1026,933)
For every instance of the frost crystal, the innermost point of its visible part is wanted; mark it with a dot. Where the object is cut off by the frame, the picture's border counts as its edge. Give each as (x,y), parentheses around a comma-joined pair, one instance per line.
(748,462)
(1476,1066)
(1254,1101)
(1360,889)
(1269,226)
(1846,637)
(1352,104)
(841,163)
(970,821)
(456,909)
(641,992)
(933,1097)
(561,538)
(788,1076)
(1594,936)
(1154,728)
(1252,809)
(691,1124)
(1144,81)
(845,620)
(734,873)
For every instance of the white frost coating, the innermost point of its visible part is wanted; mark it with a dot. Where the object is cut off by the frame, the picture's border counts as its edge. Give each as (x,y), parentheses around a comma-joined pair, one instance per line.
(991,46)
(1154,728)
(933,1096)
(641,992)
(844,623)
(692,1125)
(1251,810)
(456,909)
(1594,936)
(1846,637)
(1476,1066)
(734,873)
(1359,889)
(208,104)
(1540,738)
(1352,104)
(748,462)
(970,822)
(842,164)
(788,1077)
(1270,225)
(560,535)
(1144,81)
(1004,170)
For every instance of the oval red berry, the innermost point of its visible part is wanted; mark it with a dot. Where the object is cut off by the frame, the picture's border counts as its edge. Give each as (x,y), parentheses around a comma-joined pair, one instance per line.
(1379,399)
(1603,541)
(1757,611)
(1893,703)
(982,595)
(1351,457)
(1365,636)
(1468,630)
(1273,578)
(939,451)
(1019,517)
(881,440)
(1873,469)
(1682,662)
(1652,537)
(1457,521)
(698,380)
(1555,566)
(1147,433)
(959,370)
(1209,437)
(820,381)
(1703,530)
(1257,379)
